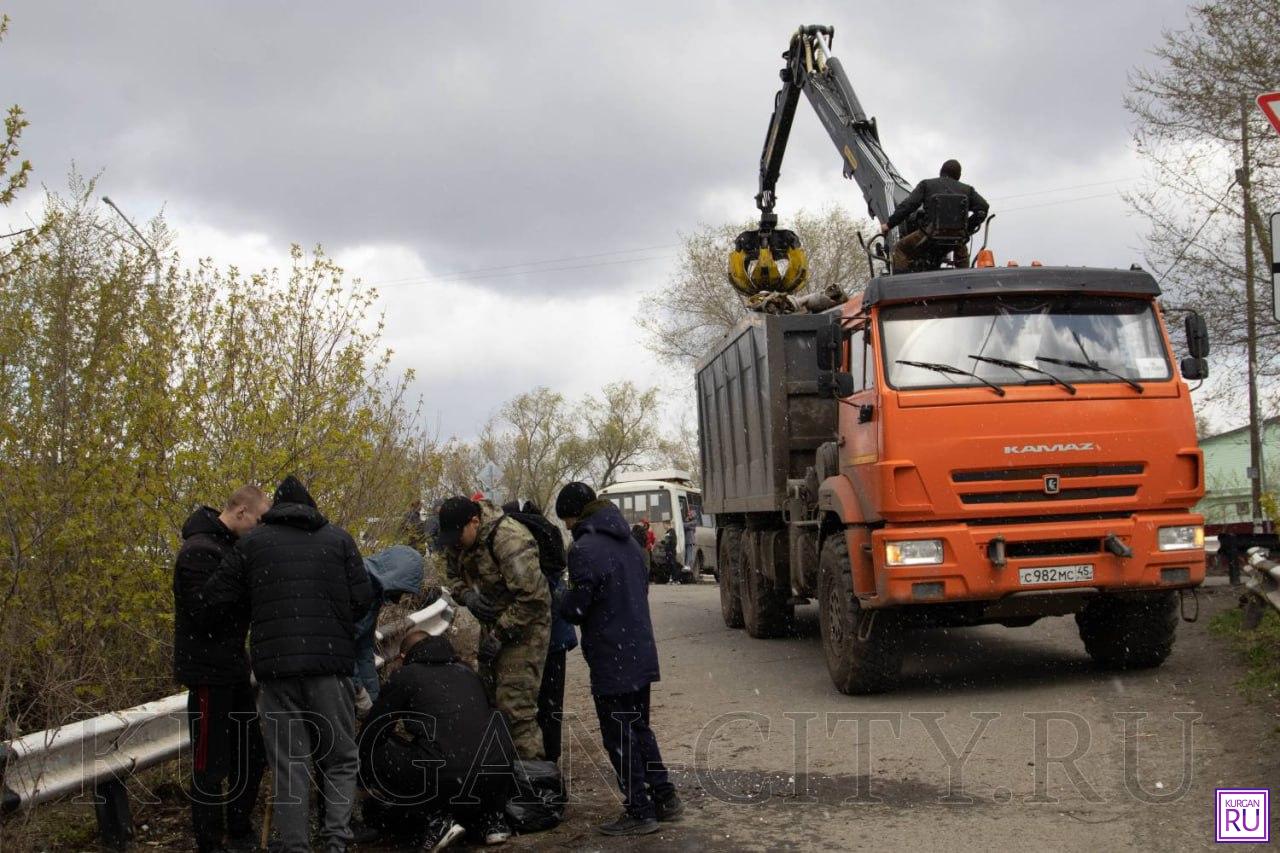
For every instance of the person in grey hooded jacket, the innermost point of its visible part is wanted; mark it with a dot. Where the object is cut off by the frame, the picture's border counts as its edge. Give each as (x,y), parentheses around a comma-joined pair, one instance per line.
(393,573)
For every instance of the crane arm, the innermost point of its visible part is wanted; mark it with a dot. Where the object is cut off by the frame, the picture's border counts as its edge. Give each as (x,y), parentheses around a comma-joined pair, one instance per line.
(811,70)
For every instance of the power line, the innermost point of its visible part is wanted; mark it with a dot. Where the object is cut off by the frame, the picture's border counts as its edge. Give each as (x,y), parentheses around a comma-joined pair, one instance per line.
(1059,201)
(539,266)
(528,272)
(1196,236)
(1064,189)
(466,274)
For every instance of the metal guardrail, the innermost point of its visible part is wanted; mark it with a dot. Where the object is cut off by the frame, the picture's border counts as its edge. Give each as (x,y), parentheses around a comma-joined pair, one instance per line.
(1262,581)
(106,750)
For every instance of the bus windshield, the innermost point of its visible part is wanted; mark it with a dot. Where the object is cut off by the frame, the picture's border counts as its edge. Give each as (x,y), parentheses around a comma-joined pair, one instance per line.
(1076,338)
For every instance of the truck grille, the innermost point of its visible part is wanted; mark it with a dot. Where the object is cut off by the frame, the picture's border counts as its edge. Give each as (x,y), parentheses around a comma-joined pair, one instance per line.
(1039,473)
(1026,485)
(1064,495)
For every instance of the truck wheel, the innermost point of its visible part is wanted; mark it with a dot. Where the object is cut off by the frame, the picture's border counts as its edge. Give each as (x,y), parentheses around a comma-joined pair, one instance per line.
(857,666)
(765,611)
(1129,633)
(730,594)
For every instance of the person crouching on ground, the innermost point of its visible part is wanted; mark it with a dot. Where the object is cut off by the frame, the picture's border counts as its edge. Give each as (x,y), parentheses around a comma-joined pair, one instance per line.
(453,773)
(393,574)
(608,597)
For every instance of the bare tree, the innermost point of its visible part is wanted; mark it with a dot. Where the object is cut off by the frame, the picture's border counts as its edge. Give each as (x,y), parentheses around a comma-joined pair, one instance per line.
(535,443)
(621,428)
(698,305)
(1188,107)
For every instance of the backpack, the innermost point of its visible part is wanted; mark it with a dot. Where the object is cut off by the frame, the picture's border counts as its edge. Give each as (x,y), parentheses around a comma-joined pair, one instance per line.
(551,557)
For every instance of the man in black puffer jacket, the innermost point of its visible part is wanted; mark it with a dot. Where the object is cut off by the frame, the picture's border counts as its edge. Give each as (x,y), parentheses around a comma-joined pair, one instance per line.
(226,744)
(306,587)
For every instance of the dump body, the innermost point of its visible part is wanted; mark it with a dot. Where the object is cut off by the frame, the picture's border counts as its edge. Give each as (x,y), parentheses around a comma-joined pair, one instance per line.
(760,414)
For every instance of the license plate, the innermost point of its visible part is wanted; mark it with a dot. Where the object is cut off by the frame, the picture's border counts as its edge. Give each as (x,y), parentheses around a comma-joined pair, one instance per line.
(1055,574)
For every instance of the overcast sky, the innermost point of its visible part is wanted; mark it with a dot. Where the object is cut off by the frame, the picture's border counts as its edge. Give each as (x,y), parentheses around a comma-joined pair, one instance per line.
(438,150)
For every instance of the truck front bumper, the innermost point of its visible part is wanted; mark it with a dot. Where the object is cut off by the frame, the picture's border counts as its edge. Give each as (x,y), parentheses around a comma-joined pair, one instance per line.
(969,570)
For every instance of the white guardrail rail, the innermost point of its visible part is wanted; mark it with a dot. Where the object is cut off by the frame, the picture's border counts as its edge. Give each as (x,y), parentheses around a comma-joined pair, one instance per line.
(79,756)
(1262,580)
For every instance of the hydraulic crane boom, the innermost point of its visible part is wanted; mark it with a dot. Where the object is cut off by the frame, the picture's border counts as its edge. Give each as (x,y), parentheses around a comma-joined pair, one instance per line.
(812,70)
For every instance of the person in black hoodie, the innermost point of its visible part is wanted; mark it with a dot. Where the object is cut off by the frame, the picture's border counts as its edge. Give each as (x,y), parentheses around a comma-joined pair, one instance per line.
(306,587)
(226,744)
(608,596)
(456,761)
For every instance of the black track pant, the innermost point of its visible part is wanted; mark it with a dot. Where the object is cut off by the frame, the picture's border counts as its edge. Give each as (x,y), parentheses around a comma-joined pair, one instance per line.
(633,750)
(227,761)
(551,704)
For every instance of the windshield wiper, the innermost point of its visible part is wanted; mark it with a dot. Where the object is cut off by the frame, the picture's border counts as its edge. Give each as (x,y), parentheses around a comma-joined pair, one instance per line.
(1015,365)
(953,371)
(1095,367)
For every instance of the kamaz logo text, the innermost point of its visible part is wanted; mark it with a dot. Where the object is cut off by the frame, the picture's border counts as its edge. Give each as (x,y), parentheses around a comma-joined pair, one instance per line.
(1051,448)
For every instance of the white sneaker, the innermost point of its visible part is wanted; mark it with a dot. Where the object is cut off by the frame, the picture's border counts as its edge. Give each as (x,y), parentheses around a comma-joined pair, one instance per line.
(441,832)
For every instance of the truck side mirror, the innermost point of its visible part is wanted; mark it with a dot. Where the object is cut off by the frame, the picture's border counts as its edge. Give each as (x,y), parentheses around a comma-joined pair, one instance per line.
(1197,336)
(829,347)
(835,383)
(1195,368)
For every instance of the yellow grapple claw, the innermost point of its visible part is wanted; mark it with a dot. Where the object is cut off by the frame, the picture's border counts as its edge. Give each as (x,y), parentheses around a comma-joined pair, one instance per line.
(753,267)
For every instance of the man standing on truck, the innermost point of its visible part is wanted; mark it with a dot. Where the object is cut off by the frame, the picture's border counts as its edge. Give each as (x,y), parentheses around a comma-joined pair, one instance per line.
(608,596)
(494,571)
(907,248)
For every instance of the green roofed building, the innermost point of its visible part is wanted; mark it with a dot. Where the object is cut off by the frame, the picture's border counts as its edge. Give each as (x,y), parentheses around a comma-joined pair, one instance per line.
(1226,466)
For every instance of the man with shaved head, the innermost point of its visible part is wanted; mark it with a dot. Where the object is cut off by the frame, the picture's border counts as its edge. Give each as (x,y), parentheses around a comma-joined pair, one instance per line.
(210,660)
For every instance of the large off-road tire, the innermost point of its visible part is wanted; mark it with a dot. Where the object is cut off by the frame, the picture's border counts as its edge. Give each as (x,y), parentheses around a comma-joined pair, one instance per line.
(1130,632)
(857,666)
(765,611)
(730,594)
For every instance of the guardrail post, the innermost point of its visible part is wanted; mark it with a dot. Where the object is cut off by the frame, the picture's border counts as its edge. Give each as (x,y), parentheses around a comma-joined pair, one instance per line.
(115,820)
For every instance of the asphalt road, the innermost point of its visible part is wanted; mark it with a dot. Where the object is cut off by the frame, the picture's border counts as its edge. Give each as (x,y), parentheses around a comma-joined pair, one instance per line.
(770,756)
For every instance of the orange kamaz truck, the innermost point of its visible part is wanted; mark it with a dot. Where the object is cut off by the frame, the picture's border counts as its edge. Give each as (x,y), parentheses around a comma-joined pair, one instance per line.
(951,447)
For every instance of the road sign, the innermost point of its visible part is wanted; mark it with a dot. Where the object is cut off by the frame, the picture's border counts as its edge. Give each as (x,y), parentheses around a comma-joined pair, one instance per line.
(1269,103)
(1275,266)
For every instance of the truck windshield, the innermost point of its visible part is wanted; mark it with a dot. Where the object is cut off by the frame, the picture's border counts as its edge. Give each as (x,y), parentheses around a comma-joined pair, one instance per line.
(1081,339)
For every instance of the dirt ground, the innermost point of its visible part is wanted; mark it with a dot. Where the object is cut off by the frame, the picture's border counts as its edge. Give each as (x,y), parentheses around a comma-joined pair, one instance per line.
(769,756)
(732,714)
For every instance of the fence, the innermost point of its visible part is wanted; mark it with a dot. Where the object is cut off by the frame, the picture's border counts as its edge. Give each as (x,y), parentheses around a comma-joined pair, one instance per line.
(101,753)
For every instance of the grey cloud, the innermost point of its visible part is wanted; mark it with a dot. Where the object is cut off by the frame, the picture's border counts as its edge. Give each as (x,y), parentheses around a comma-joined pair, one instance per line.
(490,133)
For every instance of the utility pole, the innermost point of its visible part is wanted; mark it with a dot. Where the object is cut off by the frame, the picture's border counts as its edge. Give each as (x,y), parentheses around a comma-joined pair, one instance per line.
(1251,327)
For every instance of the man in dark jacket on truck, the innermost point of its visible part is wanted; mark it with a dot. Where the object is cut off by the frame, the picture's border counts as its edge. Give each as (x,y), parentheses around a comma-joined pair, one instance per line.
(226,744)
(306,588)
(608,596)
(909,247)
(454,768)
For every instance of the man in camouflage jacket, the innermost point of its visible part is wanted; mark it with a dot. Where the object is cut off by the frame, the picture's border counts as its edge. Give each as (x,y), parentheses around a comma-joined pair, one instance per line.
(493,571)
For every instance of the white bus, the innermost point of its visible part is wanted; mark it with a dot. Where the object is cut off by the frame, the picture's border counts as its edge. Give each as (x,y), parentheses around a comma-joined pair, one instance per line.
(668,500)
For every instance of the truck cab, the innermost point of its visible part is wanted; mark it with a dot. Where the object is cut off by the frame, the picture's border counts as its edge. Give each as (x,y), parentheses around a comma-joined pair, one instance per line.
(1002,445)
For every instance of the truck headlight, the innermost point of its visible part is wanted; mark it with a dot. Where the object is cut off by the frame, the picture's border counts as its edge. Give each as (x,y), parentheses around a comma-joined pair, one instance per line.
(913,552)
(1184,538)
